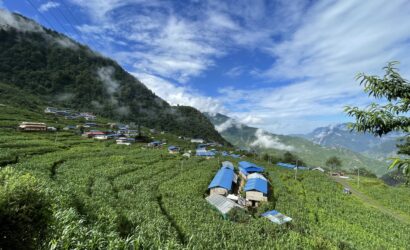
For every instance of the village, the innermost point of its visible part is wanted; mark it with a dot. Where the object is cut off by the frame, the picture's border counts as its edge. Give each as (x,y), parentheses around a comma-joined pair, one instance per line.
(244,187)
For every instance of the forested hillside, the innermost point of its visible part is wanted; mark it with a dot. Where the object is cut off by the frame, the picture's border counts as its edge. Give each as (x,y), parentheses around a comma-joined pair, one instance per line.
(62,72)
(311,153)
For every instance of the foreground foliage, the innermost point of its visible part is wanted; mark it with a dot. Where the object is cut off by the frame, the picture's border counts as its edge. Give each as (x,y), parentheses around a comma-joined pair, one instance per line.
(107,196)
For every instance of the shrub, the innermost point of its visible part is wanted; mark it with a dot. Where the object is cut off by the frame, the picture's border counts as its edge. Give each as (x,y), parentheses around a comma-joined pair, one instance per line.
(25,211)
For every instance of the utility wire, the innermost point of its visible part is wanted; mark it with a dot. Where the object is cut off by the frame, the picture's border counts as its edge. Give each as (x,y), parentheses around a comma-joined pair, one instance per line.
(41,15)
(72,26)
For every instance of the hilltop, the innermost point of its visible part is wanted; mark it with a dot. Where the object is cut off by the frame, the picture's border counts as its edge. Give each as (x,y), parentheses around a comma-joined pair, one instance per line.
(312,153)
(40,67)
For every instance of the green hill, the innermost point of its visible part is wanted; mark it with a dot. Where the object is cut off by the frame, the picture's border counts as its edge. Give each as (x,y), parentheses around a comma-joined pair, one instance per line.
(313,154)
(61,72)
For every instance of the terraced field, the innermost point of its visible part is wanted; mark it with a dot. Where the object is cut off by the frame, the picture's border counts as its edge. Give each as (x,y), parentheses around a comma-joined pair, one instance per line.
(107,196)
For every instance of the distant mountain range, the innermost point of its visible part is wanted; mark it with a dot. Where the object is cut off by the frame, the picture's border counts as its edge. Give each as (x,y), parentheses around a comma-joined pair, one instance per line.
(312,153)
(40,67)
(340,136)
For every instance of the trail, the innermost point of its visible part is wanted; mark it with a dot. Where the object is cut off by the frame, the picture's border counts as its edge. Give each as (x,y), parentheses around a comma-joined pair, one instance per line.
(373,203)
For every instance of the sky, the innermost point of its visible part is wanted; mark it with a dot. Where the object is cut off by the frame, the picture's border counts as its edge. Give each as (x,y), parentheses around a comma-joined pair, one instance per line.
(283,66)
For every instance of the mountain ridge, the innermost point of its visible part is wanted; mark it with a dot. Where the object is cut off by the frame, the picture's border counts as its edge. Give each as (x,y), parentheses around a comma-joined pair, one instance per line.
(62,72)
(313,154)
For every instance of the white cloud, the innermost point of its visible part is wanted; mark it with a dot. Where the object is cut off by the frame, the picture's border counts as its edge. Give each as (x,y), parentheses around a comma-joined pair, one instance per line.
(316,50)
(7,19)
(265,140)
(47,6)
(179,95)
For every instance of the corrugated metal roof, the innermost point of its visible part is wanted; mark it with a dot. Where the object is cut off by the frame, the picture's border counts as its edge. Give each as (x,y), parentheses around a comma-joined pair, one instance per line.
(250,167)
(256,175)
(256,185)
(204,153)
(285,165)
(276,217)
(223,204)
(223,178)
(227,164)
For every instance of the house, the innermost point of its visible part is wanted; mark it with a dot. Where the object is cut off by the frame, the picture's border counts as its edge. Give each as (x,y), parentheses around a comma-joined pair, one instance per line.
(257,176)
(222,182)
(203,152)
(52,129)
(155,144)
(197,140)
(319,169)
(101,136)
(32,126)
(87,116)
(90,124)
(221,203)
(256,190)
(276,217)
(69,127)
(188,155)
(173,150)
(235,156)
(224,153)
(227,164)
(93,133)
(286,165)
(246,168)
(124,141)
(50,110)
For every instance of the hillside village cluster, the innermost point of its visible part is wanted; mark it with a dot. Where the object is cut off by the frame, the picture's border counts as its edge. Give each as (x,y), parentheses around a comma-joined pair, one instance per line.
(231,188)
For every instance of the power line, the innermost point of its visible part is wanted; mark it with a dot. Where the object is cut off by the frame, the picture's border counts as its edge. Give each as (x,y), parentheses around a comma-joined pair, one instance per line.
(71,14)
(72,26)
(41,15)
(58,21)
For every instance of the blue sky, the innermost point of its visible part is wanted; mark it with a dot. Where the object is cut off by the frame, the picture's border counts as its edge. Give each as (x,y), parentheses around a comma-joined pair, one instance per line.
(284,66)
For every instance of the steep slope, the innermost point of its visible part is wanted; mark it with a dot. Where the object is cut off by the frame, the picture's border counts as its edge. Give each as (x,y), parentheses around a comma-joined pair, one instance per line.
(341,136)
(312,153)
(65,73)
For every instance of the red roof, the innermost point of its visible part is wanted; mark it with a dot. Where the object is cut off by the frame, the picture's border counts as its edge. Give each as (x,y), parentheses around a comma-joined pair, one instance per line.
(95,133)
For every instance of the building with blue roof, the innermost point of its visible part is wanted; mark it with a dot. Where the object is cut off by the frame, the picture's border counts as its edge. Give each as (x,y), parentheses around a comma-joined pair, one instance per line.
(246,168)
(290,166)
(256,190)
(204,152)
(222,182)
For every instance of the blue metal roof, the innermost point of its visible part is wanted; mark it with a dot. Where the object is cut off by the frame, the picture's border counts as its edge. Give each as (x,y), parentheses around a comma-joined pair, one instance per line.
(205,153)
(172,148)
(235,156)
(242,170)
(286,165)
(272,212)
(223,179)
(256,185)
(250,167)
(224,153)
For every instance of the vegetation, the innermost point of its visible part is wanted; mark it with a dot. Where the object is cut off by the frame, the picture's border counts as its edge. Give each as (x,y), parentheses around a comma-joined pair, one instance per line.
(382,119)
(312,154)
(104,195)
(333,163)
(57,71)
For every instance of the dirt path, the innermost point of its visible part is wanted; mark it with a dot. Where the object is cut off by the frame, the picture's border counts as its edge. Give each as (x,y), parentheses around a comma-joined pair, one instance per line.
(373,203)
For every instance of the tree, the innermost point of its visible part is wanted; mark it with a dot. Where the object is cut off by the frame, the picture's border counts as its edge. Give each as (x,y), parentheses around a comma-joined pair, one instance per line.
(288,157)
(333,162)
(381,119)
